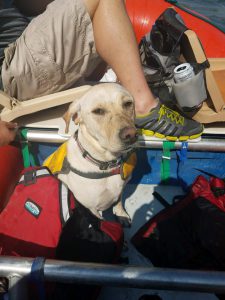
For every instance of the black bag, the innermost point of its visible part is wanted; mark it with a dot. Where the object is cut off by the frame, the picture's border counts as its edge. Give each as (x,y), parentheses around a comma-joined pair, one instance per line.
(85,238)
(190,234)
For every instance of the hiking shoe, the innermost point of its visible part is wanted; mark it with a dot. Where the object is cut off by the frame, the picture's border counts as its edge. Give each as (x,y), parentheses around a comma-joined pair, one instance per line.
(165,123)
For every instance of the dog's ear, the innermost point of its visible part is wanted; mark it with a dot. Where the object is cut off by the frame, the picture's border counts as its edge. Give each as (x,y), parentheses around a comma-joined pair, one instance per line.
(72,112)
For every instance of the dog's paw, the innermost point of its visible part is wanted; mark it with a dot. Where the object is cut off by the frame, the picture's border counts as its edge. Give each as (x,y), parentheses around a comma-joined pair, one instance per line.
(125,221)
(121,215)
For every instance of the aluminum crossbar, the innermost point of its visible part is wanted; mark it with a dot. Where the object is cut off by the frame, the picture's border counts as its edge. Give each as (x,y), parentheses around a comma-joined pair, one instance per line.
(207,143)
(117,275)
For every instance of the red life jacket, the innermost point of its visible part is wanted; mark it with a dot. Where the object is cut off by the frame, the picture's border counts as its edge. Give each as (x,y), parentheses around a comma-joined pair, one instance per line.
(42,218)
(32,221)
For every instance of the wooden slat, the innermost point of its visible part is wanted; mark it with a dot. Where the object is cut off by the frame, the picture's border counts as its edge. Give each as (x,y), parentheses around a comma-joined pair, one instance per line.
(199,55)
(42,103)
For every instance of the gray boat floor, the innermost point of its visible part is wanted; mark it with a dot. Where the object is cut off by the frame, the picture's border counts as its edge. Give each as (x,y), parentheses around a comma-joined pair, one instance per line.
(141,206)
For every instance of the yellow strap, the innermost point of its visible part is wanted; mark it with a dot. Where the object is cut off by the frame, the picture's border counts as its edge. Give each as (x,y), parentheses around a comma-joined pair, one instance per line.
(55,161)
(129,165)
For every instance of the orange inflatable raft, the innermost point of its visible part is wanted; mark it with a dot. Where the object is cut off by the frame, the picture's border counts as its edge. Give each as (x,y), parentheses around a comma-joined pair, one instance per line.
(143,14)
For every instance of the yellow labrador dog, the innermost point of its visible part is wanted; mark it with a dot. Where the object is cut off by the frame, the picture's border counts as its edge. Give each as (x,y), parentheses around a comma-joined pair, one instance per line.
(98,151)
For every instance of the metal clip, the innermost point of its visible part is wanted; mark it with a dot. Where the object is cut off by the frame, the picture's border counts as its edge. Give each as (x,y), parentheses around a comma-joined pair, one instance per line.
(30,177)
(104,166)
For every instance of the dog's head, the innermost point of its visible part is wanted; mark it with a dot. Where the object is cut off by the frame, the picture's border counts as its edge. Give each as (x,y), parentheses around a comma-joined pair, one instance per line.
(106,113)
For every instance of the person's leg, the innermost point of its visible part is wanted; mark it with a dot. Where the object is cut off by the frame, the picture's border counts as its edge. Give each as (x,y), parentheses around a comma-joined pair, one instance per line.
(116,44)
(58,51)
(55,52)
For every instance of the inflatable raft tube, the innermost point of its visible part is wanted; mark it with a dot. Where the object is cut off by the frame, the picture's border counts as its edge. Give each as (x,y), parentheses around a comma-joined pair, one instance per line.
(11,165)
(143,14)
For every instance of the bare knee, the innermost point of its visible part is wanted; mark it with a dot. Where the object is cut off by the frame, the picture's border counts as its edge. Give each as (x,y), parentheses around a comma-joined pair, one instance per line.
(92,5)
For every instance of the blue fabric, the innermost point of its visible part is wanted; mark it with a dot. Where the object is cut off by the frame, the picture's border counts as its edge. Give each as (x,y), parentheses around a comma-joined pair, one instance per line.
(7,3)
(148,169)
(12,24)
(182,154)
(4,296)
(185,165)
(37,275)
(200,163)
(42,150)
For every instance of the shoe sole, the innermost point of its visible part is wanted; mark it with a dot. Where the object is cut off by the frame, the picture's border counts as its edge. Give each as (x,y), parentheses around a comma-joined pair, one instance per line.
(160,136)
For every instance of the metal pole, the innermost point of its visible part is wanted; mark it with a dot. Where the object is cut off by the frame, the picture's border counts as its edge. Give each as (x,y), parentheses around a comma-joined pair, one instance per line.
(138,277)
(205,144)
(44,136)
(116,275)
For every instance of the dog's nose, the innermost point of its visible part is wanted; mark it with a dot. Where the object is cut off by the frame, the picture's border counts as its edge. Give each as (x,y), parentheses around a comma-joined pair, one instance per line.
(128,135)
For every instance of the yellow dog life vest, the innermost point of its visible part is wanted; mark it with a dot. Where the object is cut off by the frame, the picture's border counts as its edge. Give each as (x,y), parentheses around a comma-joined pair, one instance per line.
(55,162)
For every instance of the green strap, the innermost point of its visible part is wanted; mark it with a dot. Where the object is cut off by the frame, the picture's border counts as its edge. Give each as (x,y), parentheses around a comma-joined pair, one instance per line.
(166,157)
(28,158)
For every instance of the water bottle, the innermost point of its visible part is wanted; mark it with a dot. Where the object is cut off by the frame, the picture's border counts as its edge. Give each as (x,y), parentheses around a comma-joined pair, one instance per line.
(183,72)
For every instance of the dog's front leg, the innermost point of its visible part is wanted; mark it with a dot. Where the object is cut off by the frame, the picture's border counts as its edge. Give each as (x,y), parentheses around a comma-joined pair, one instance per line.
(121,214)
(97,213)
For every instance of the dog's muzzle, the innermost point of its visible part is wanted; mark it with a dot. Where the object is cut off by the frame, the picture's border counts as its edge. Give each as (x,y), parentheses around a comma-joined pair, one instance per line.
(128,135)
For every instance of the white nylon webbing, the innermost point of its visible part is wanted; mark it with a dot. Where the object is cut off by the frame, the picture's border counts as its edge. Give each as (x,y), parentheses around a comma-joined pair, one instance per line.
(64,202)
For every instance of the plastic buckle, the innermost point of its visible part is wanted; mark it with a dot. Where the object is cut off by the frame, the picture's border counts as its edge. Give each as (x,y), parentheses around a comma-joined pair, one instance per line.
(30,177)
(166,157)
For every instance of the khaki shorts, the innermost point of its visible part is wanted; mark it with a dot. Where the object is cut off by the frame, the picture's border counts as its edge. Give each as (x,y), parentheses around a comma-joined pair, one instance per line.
(55,52)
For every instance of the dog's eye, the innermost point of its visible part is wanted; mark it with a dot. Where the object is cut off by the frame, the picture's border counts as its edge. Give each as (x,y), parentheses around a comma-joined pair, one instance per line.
(99,111)
(128,104)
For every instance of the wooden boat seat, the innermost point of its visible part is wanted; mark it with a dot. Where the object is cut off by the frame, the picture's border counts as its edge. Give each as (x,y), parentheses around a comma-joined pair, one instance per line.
(13,108)
(213,108)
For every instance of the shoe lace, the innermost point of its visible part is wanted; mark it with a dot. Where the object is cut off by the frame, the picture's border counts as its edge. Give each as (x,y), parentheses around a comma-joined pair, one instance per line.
(171,114)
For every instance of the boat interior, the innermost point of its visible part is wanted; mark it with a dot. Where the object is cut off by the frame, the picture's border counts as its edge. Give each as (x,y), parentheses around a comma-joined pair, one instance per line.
(42,117)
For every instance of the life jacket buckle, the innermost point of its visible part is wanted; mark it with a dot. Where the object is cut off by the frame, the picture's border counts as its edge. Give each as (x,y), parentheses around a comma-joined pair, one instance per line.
(30,177)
